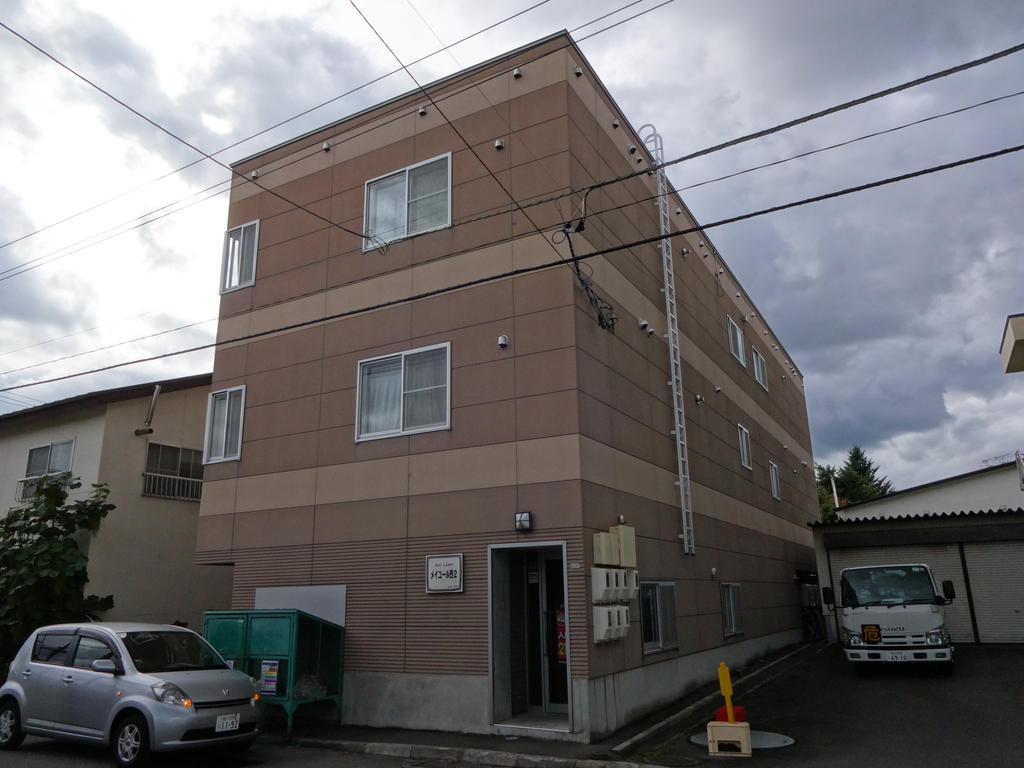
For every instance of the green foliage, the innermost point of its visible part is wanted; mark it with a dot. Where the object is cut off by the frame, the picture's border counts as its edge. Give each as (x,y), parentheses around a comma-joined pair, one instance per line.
(42,568)
(857,480)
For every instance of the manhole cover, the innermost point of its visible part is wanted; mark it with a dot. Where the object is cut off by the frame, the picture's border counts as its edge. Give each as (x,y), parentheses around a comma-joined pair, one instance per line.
(758,740)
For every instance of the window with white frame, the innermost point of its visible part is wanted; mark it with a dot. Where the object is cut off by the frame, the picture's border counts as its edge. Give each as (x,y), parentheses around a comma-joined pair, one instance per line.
(404,393)
(52,459)
(408,202)
(238,268)
(224,424)
(776,481)
(744,435)
(658,615)
(760,369)
(732,610)
(735,340)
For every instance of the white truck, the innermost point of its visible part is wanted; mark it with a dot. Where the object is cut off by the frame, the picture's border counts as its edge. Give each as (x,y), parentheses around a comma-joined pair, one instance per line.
(892,613)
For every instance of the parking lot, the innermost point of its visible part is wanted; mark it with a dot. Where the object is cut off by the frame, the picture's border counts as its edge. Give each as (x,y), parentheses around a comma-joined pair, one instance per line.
(905,716)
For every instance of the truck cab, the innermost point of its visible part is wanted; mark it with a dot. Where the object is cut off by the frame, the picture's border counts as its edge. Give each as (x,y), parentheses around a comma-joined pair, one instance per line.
(892,613)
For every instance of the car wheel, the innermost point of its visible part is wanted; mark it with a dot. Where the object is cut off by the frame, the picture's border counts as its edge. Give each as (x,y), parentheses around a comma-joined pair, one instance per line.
(11,734)
(130,741)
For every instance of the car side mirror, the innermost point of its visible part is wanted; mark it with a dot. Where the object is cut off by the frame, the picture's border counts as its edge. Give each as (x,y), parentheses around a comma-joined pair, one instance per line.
(828,596)
(947,590)
(105,665)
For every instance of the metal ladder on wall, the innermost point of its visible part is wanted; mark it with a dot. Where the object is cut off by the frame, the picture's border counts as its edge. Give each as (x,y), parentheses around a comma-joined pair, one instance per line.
(652,140)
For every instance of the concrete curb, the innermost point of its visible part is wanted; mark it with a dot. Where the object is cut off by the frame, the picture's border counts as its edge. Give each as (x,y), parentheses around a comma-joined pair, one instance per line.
(467,756)
(700,703)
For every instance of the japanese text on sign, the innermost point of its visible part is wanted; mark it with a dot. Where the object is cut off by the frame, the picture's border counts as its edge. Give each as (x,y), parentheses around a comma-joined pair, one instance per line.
(444,573)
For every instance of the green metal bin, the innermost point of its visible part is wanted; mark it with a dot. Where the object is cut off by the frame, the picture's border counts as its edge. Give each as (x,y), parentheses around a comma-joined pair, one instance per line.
(295,658)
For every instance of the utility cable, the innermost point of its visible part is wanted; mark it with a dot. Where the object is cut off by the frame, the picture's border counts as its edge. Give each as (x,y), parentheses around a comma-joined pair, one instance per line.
(252,180)
(538,267)
(303,113)
(403,111)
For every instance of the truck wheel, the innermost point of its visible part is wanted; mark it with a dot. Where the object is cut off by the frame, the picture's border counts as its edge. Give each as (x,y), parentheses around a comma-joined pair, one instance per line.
(130,742)
(11,734)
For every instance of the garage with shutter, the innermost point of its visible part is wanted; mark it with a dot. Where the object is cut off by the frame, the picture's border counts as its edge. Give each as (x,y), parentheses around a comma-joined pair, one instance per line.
(982,553)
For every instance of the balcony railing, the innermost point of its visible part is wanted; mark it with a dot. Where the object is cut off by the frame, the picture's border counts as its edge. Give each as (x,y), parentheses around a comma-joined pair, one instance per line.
(26,490)
(171,487)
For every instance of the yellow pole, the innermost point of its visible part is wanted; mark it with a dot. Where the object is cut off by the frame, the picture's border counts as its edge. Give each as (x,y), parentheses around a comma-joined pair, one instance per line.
(725,683)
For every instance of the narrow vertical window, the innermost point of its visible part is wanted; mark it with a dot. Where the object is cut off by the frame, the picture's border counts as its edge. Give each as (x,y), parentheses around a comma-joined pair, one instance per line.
(760,369)
(658,616)
(224,424)
(735,340)
(776,482)
(732,610)
(744,436)
(239,265)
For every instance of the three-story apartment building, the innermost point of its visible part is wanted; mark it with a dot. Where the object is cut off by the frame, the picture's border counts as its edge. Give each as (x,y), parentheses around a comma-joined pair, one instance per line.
(417,398)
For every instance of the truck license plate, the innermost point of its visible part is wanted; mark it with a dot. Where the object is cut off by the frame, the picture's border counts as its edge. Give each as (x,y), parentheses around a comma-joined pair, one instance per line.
(227,723)
(897,657)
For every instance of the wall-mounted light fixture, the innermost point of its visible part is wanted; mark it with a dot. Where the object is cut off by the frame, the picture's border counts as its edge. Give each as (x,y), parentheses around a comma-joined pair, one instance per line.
(254,175)
(699,399)
(503,341)
(615,123)
(632,149)
(517,72)
(524,521)
(326,146)
(578,72)
(499,144)
(423,110)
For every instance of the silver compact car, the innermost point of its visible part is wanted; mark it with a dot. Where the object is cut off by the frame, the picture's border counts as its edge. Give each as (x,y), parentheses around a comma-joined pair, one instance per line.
(136,687)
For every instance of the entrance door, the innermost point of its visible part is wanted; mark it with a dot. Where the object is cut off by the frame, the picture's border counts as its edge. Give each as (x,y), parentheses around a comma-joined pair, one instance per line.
(554,638)
(529,636)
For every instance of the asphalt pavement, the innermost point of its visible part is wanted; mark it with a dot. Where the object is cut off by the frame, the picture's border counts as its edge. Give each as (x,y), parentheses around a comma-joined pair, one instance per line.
(899,716)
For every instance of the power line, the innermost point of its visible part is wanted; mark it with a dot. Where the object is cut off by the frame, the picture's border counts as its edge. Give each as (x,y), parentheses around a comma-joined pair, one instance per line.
(193,147)
(599,212)
(400,109)
(275,125)
(538,267)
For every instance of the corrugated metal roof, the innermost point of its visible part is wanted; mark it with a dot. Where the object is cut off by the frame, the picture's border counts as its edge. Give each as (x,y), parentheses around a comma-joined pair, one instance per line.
(921,516)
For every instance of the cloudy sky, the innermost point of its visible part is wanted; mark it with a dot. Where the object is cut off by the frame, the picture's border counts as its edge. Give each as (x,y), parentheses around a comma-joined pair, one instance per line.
(892,302)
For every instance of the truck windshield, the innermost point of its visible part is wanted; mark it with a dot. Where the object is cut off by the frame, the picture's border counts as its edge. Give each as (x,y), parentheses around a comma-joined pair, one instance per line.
(889,585)
(170,652)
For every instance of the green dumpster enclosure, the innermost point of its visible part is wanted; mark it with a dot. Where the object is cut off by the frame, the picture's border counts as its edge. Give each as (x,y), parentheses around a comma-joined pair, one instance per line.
(295,658)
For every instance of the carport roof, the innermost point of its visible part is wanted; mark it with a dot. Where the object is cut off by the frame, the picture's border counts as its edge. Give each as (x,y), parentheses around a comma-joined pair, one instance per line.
(921,516)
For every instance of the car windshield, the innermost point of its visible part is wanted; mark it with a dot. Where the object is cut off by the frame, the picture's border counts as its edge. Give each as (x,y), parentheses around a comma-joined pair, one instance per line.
(170,651)
(889,585)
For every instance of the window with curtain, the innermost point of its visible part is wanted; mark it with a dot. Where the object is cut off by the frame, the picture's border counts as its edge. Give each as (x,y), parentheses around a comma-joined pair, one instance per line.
(658,616)
(403,393)
(238,268)
(224,424)
(410,201)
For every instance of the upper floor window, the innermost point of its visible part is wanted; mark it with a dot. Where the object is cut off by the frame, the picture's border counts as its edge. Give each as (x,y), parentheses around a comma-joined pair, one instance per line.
(735,340)
(49,459)
(224,424)
(410,201)
(776,481)
(239,266)
(744,435)
(732,610)
(173,473)
(760,369)
(404,393)
(658,616)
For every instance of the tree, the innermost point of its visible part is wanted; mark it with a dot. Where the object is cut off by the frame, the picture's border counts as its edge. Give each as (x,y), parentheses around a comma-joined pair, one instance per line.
(857,480)
(43,571)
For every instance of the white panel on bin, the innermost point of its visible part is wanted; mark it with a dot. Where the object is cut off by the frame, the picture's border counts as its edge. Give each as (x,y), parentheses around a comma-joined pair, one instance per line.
(632,584)
(326,601)
(602,624)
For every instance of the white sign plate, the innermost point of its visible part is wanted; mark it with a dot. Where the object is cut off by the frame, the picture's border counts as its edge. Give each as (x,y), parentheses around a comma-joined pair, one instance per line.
(444,573)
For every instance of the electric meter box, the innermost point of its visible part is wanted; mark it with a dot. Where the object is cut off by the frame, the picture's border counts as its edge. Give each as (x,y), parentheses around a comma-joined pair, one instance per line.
(606,549)
(625,538)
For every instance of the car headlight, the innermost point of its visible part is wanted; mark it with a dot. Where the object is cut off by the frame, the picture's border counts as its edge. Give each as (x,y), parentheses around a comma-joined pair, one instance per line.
(936,637)
(854,638)
(169,693)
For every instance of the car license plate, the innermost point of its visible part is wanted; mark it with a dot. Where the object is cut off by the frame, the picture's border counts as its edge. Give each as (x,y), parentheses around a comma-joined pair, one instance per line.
(897,657)
(227,723)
